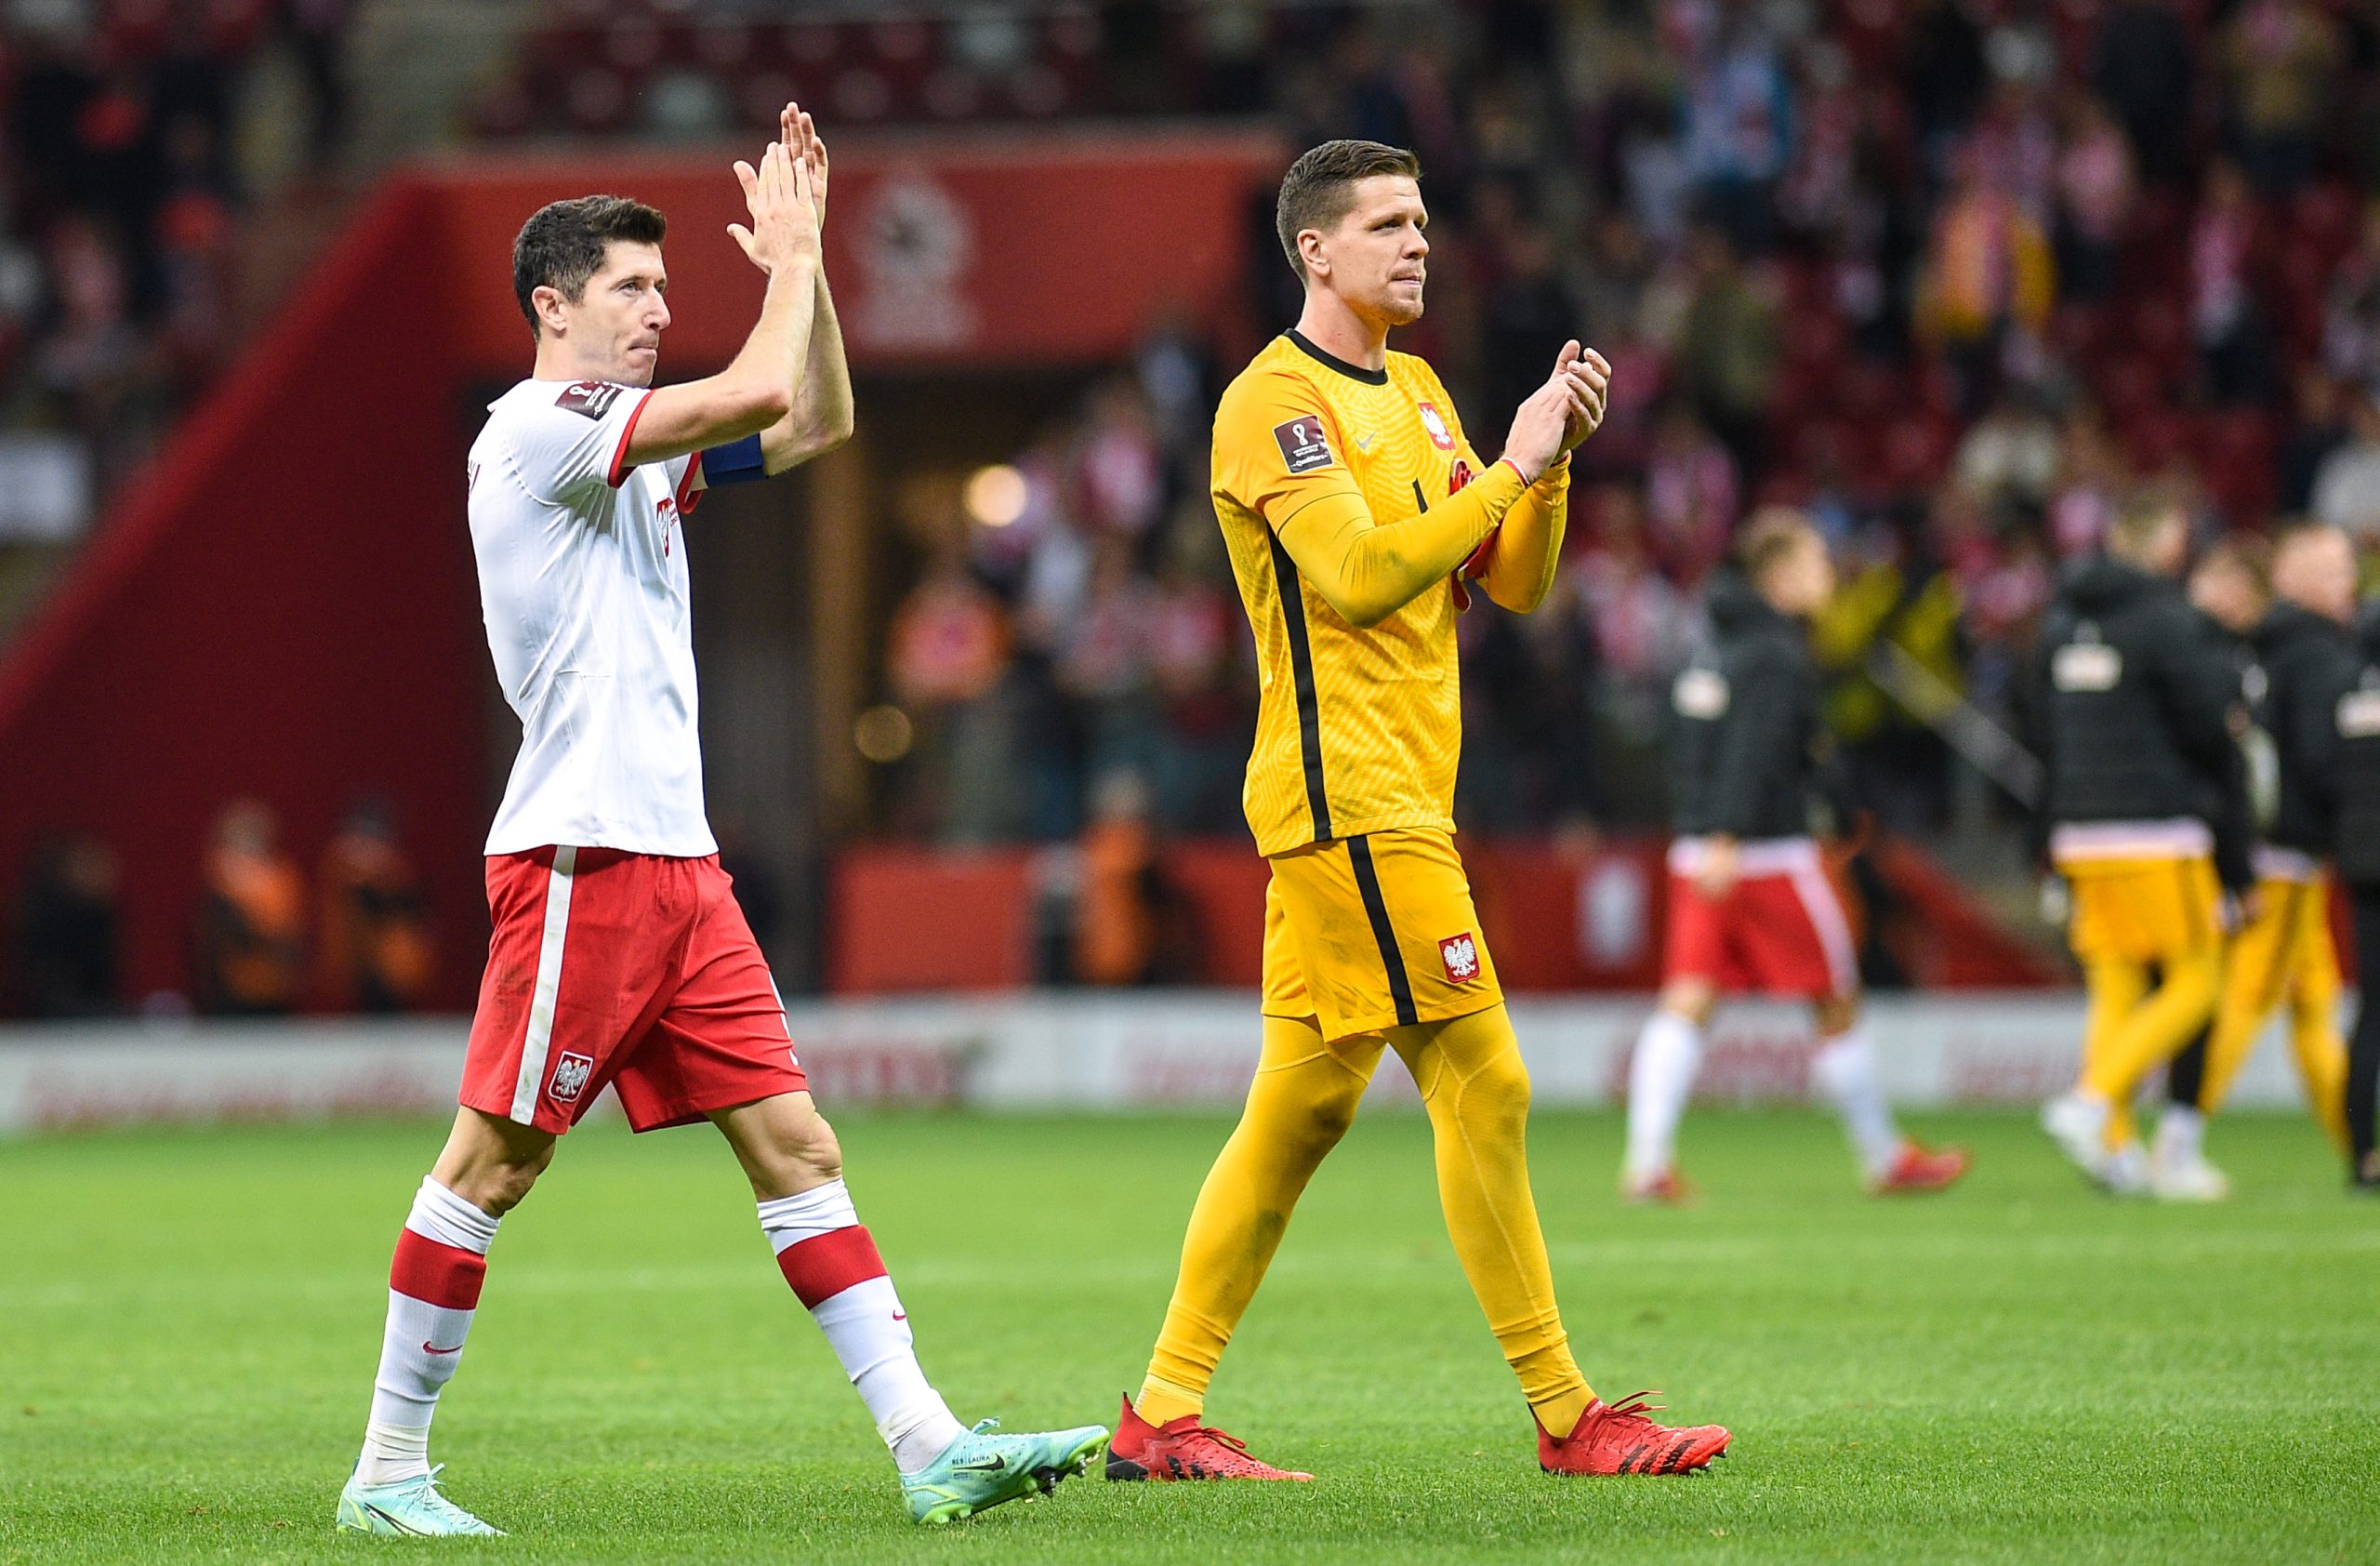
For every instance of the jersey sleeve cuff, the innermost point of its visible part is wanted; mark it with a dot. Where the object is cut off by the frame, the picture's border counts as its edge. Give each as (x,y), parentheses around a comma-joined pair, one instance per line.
(690,494)
(621,467)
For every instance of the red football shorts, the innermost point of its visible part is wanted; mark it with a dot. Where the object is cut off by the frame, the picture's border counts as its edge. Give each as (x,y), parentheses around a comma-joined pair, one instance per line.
(1781,931)
(628,969)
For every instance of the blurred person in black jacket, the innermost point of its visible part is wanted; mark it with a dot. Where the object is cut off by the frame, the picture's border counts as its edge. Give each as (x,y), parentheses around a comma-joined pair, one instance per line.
(2295,656)
(2355,769)
(1752,905)
(2136,716)
(66,929)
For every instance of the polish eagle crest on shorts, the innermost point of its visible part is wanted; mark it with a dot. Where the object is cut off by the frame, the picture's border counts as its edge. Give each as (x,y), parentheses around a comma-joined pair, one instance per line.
(1460,955)
(570,1078)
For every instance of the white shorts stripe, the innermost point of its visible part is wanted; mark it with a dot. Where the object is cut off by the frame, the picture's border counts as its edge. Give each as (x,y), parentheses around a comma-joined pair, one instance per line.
(539,1043)
(1825,909)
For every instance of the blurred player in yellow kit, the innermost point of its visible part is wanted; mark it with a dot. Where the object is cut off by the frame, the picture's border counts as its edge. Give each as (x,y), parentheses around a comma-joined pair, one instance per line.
(1354,510)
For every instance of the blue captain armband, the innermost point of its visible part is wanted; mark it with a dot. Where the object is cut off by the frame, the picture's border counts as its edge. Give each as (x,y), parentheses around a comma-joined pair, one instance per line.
(736,462)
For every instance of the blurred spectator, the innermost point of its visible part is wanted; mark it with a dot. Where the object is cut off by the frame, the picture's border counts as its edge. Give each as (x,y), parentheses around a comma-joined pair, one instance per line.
(1692,495)
(1944,67)
(2094,197)
(1527,319)
(2145,69)
(2319,430)
(250,957)
(2234,362)
(1729,348)
(2347,485)
(2351,308)
(1119,472)
(67,930)
(1200,645)
(1121,898)
(1104,660)
(2282,57)
(947,662)
(2010,454)
(377,950)
(2092,479)
(1989,274)
(1739,125)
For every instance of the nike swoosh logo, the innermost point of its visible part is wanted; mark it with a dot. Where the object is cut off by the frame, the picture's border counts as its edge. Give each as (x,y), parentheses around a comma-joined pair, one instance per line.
(992,1466)
(1364,443)
(400,1524)
(427,1347)
(900,1316)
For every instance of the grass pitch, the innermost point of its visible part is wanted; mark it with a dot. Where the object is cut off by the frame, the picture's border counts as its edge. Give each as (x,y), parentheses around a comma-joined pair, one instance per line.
(2018,1370)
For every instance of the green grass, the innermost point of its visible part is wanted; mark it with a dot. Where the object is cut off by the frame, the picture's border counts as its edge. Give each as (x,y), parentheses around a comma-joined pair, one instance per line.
(2018,1370)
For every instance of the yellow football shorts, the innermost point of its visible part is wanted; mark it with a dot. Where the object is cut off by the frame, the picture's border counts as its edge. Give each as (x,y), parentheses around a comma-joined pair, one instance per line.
(1368,932)
(2143,911)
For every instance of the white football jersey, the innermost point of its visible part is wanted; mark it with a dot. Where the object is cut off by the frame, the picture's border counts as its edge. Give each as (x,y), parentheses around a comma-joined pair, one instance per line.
(582,566)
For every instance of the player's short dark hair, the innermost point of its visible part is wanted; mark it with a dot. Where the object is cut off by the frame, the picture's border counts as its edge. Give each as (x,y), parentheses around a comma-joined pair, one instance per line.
(561,244)
(1320,187)
(1773,533)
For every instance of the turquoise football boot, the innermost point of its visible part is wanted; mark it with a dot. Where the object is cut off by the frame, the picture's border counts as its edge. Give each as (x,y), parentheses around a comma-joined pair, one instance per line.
(410,1509)
(980,1470)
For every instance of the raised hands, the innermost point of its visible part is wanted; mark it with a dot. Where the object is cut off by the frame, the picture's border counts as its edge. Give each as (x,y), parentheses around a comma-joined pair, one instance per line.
(783,206)
(1561,413)
(798,135)
(1589,374)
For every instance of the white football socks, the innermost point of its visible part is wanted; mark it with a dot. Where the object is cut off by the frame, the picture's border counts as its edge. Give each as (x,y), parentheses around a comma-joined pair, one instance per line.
(2181,1136)
(1667,1053)
(434,1292)
(831,1262)
(1843,1072)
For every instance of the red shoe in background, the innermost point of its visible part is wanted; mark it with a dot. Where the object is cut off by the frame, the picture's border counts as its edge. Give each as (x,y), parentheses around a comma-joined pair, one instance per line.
(1665,1189)
(1919,1169)
(1183,1449)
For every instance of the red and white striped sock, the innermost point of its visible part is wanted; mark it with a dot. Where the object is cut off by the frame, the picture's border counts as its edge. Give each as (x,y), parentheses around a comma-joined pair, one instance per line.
(433,1291)
(832,1264)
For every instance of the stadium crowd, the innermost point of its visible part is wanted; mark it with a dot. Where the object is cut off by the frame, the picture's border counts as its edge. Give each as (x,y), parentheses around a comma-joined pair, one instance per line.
(122,191)
(1958,276)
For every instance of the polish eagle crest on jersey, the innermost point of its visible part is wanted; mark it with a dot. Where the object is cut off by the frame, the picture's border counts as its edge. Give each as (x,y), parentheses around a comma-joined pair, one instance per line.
(1436,423)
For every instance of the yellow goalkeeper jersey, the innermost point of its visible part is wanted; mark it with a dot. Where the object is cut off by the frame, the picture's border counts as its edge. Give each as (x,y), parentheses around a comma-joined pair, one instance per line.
(1358,729)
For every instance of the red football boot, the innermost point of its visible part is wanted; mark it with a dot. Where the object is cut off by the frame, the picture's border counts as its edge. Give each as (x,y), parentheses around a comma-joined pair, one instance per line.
(1664,1188)
(1183,1449)
(1610,1439)
(1920,1168)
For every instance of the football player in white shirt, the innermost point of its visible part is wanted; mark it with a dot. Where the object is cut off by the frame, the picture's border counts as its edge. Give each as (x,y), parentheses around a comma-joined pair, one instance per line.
(619,955)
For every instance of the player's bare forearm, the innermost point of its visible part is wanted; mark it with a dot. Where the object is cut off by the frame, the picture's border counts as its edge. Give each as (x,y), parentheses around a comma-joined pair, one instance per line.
(1368,572)
(823,414)
(1528,545)
(753,392)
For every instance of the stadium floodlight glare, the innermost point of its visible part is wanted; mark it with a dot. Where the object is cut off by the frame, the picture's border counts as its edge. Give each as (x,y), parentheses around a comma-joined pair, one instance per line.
(995,495)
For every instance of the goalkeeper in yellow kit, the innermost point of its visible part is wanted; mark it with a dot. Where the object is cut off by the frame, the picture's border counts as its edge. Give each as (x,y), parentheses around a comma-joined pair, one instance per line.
(1355,511)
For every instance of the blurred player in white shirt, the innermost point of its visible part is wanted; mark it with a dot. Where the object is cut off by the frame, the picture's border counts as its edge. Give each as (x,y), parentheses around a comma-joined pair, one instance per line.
(619,957)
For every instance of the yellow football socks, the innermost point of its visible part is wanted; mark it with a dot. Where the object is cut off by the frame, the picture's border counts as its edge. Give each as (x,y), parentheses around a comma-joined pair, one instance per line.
(1477,1091)
(2155,1031)
(1302,1102)
(2115,988)
(1304,1096)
